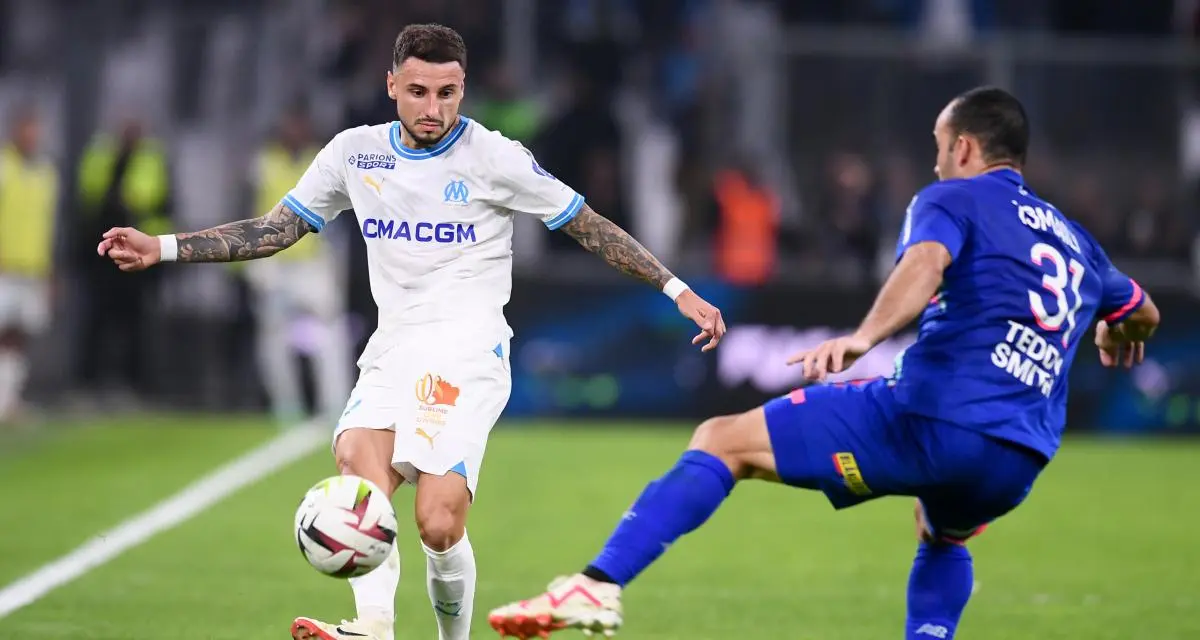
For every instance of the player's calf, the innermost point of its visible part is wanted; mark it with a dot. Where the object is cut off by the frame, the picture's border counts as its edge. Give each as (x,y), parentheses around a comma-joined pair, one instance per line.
(441,512)
(941,580)
(722,451)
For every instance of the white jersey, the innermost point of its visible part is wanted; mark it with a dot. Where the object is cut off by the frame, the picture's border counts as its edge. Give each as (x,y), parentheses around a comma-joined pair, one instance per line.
(437,222)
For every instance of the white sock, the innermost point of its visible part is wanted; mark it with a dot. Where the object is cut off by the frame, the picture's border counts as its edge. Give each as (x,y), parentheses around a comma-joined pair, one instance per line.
(13,369)
(451,580)
(375,592)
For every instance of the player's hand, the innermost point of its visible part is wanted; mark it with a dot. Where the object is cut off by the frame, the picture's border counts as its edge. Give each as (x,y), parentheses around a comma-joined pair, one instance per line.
(831,356)
(1117,347)
(129,249)
(706,316)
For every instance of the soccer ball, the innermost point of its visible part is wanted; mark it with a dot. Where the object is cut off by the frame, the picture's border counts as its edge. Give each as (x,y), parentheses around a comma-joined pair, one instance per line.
(345,526)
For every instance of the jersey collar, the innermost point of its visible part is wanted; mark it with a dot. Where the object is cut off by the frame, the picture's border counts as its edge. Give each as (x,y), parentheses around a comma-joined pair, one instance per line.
(1009,175)
(427,152)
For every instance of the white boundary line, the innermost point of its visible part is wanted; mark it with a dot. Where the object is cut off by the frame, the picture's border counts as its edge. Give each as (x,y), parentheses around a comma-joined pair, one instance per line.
(204,493)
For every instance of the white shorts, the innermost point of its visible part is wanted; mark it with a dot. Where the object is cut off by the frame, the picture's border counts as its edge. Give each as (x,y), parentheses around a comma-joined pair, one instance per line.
(24,304)
(441,396)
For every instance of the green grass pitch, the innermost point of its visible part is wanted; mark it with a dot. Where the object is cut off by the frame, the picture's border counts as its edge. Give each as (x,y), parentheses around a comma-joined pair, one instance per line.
(1105,548)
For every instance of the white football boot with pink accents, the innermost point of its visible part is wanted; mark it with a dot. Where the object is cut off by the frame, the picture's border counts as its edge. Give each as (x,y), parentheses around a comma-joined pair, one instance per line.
(575,602)
(311,629)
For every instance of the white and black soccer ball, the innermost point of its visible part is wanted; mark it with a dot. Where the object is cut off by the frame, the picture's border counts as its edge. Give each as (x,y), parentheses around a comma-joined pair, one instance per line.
(345,526)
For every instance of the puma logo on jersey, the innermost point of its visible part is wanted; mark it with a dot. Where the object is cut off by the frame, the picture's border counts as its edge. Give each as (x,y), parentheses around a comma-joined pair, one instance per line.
(370,181)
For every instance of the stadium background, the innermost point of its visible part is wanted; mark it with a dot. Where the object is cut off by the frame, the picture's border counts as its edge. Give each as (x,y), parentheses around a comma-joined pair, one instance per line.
(689,122)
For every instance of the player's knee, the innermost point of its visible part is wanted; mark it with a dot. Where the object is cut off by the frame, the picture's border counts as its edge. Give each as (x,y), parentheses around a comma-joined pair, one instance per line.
(718,437)
(359,457)
(440,525)
(921,525)
(927,535)
(710,435)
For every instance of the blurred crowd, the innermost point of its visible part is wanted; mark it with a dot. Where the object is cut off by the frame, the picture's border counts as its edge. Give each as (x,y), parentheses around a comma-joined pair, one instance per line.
(750,140)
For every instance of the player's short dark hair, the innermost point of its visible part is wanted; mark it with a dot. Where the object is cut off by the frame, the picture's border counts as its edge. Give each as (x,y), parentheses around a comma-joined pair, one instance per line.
(429,42)
(997,119)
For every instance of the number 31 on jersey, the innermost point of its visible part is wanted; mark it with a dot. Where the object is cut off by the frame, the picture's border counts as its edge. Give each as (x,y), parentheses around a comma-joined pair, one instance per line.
(1063,275)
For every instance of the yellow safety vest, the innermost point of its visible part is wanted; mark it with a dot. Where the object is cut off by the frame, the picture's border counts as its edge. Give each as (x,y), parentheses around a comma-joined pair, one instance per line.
(144,187)
(28,206)
(278,173)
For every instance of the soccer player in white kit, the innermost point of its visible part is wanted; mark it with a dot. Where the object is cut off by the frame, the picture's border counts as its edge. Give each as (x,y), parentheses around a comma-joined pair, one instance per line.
(435,195)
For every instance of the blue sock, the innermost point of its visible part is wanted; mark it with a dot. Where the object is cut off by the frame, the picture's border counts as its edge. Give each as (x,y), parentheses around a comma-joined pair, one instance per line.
(669,507)
(938,589)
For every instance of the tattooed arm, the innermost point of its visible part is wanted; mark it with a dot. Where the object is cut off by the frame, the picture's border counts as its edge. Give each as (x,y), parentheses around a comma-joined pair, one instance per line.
(604,238)
(132,250)
(249,239)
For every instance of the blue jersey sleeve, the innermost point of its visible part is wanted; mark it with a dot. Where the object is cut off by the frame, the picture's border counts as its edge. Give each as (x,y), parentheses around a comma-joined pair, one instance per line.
(939,213)
(1120,295)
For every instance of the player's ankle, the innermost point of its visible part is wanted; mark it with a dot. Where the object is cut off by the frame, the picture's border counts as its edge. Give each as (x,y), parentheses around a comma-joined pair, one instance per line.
(376,616)
(596,575)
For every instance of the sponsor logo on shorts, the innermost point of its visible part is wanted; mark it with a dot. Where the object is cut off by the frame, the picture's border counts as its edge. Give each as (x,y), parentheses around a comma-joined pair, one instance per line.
(433,390)
(847,467)
(425,434)
(435,396)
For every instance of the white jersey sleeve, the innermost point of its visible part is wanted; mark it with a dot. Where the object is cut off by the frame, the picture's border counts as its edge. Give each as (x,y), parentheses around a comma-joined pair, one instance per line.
(321,193)
(523,186)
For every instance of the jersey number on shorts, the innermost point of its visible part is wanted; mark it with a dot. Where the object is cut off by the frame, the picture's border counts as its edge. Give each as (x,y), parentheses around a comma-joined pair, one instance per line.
(1062,274)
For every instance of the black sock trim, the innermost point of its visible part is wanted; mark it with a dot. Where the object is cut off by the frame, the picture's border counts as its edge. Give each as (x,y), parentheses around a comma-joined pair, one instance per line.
(598,575)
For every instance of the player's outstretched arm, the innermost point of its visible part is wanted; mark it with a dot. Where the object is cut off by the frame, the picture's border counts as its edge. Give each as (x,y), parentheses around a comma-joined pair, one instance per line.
(604,238)
(249,239)
(903,297)
(906,293)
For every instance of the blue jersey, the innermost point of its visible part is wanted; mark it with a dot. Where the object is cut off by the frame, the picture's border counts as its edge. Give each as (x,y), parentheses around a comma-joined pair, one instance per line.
(1023,286)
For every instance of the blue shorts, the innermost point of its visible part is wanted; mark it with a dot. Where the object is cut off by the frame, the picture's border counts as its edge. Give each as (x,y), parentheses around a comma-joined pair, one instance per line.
(854,443)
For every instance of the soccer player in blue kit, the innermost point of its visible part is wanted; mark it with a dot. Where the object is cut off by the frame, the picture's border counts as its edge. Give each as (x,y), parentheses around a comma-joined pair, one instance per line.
(1005,287)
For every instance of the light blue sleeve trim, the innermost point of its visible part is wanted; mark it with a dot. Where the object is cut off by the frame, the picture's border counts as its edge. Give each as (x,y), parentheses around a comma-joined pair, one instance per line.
(316,221)
(567,214)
